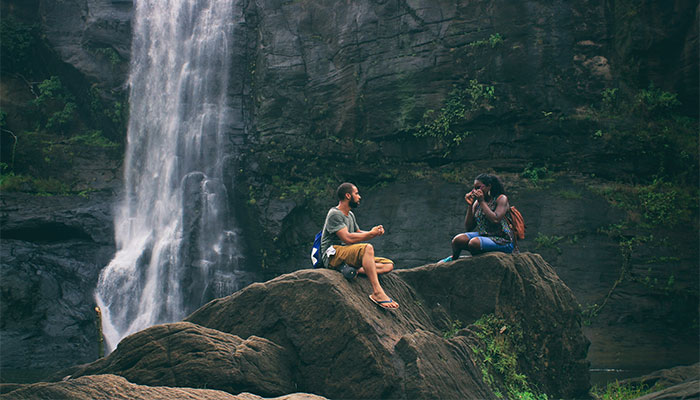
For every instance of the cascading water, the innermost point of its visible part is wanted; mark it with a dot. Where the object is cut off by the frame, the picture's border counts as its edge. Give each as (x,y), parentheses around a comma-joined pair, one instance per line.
(175,244)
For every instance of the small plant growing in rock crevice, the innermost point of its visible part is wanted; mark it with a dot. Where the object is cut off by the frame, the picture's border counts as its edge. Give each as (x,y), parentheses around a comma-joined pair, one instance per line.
(622,391)
(445,125)
(548,242)
(538,177)
(453,328)
(497,358)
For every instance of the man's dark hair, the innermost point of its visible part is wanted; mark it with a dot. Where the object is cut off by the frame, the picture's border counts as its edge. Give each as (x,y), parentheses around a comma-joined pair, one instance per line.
(493,181)
(343,189)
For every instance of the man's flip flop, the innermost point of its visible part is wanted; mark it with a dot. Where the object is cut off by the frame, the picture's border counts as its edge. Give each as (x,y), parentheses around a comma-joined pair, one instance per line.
(383,302)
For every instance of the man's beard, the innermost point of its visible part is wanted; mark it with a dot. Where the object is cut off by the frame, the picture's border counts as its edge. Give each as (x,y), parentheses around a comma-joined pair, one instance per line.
(354,204)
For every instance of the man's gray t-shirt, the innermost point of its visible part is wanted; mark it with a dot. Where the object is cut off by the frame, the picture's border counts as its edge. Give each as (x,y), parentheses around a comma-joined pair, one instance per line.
(335,221)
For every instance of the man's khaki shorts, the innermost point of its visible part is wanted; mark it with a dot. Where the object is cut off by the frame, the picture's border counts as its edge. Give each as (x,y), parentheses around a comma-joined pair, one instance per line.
(352,255)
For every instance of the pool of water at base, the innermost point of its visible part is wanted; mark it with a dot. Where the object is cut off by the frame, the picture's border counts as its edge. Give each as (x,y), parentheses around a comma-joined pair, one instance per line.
(602,376)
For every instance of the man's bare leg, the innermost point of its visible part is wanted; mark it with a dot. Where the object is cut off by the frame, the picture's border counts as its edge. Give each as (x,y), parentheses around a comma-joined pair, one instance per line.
(370,269)
(382,268)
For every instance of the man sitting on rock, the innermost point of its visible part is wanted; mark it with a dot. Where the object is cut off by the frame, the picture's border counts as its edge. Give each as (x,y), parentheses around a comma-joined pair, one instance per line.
(341,245)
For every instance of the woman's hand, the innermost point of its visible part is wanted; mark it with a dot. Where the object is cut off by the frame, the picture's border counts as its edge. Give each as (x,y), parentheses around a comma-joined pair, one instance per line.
(470,197)
(479,194)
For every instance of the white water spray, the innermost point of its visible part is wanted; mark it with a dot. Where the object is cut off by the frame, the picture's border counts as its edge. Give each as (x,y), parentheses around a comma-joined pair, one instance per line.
(175,244)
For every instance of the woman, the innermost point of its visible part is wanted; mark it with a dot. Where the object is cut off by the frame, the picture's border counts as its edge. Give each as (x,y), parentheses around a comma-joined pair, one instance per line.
(486,225)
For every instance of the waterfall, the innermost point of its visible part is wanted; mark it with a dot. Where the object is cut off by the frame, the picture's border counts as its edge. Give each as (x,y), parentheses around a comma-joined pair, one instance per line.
(176,247)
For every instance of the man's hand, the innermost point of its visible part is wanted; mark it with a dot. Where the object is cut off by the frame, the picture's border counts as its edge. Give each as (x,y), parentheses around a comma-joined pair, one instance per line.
(377,231)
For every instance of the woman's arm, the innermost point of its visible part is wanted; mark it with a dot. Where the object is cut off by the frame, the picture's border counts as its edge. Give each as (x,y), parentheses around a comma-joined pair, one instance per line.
(469,222)
(499,213)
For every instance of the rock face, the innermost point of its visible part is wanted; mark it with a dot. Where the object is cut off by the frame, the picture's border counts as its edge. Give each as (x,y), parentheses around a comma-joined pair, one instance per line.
(116,387)
(350,80)
(93,36)
(315,332)
(53,249)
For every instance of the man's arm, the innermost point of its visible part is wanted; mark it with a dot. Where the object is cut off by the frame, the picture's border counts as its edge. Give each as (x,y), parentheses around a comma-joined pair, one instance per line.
(359,236)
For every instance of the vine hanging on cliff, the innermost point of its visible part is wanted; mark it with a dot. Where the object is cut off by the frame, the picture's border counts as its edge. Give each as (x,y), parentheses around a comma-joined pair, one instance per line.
(446,124)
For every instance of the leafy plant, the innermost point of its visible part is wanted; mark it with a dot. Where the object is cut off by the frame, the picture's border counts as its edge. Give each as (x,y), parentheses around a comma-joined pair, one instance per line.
(493,41)
(92,138)
(110,54)
(16,42)
(444,124)
(610,98)
(497,357)
(454,327)
(656,101)
(622,391)
(537,176)
(57,104)
(548,242)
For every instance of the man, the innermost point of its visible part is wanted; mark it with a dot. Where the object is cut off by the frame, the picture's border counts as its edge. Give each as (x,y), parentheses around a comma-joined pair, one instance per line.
(341,244)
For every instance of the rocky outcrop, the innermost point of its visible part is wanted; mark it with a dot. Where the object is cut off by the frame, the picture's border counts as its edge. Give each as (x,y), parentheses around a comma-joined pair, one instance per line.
(187,355)
(345,347)
(116,387)
(52,251)
(92,36)
(315,332)
(679,383)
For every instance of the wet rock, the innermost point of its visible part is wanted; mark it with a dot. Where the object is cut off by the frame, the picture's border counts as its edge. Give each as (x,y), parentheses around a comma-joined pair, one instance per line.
(116,387)
(52,251)
(92,36)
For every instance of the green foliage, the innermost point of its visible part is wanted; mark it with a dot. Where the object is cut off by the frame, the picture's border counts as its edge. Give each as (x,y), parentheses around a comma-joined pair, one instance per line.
(660,203)
(622,391)
(569,194)
(493,41)
(110,54)
(651,211)
(497,357)
(16,43)
(645,125)
(115,111)
(40,186)
(59,119)
(446,124)
(537,176)
(94,139)
(548,242)
(56,104)
(655,101)
(50,90)
(610,98)
(454,327)
(314,189)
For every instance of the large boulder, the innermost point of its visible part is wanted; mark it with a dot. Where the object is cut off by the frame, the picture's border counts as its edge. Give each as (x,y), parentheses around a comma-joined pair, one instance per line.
(678,383)
(186,355)
(344,346)
(116,387)
(314,331)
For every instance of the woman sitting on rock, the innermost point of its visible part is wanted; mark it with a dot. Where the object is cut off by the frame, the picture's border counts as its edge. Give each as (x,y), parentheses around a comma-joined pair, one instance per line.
(485,223)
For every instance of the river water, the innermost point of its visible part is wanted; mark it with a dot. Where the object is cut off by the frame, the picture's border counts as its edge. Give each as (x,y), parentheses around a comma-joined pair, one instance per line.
(176,241)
